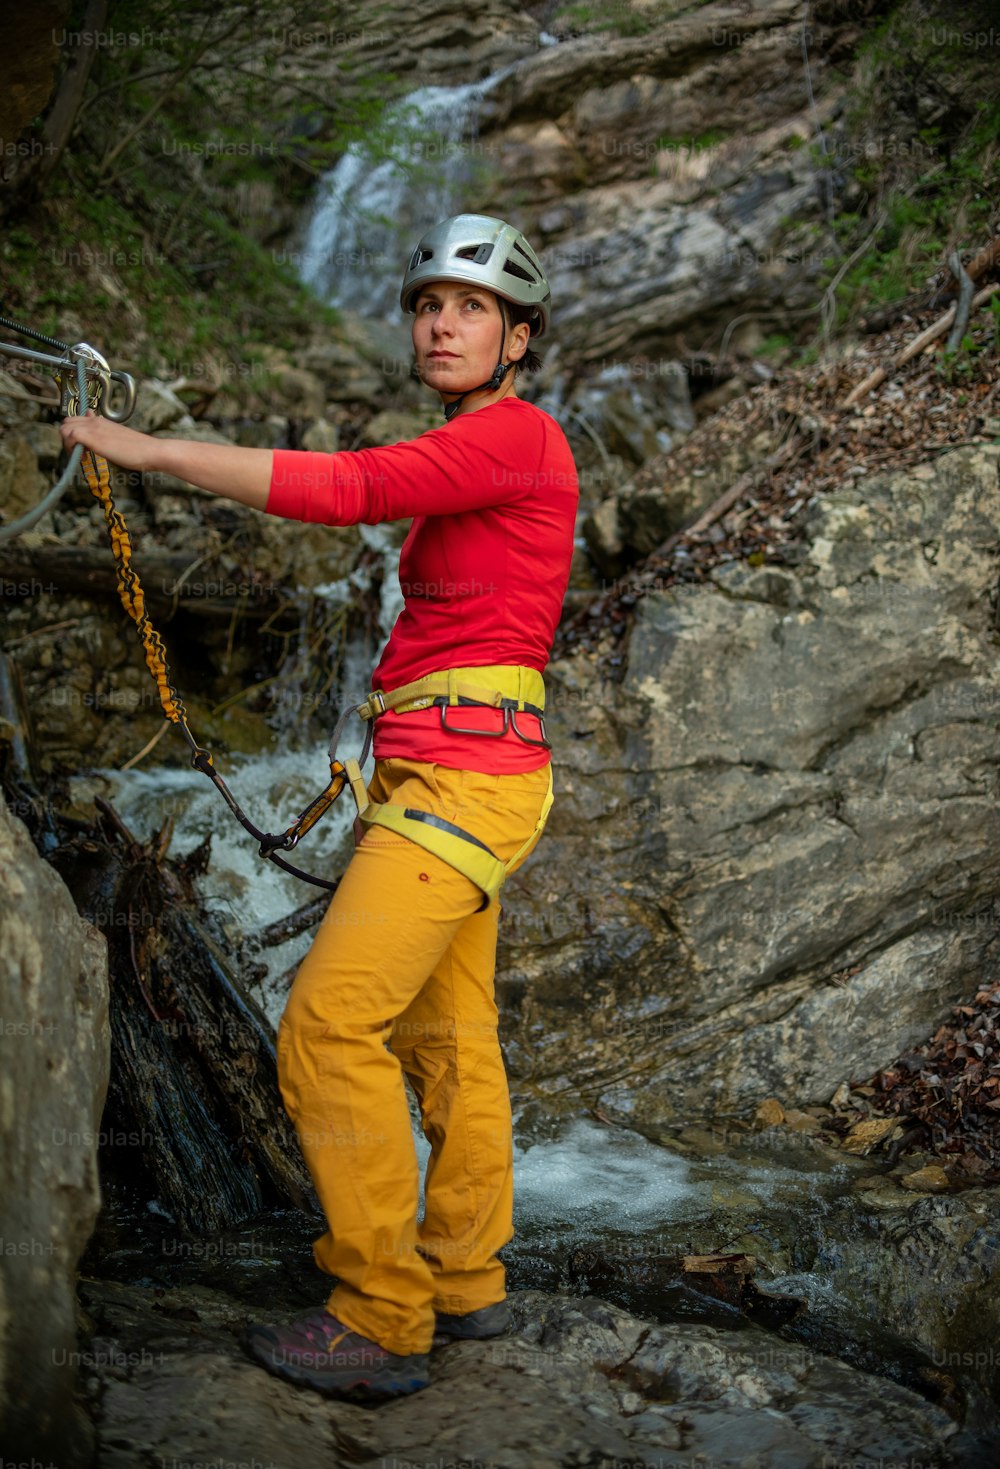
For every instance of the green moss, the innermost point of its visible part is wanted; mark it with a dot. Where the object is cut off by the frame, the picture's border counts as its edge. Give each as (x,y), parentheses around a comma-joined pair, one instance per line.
(694,141)
(935,194)
(619,19)
(774,344)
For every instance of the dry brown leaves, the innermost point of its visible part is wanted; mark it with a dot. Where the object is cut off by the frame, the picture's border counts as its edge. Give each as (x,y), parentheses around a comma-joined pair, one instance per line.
(952,1085)
(922,410)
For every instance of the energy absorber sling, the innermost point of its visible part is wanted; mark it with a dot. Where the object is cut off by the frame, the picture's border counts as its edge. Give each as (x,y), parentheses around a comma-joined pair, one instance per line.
(514,690)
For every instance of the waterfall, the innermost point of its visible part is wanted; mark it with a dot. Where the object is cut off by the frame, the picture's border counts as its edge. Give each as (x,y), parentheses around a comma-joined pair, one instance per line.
(369,212)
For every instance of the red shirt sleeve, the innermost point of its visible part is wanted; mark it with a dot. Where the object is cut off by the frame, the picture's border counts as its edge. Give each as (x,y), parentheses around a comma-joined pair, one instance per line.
(463,465)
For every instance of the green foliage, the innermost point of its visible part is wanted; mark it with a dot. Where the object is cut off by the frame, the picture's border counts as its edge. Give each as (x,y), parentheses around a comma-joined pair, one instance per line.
(192,155)
(935,185)
(960,362)
(995,313)
(951,205)
(774,345)
(618,19)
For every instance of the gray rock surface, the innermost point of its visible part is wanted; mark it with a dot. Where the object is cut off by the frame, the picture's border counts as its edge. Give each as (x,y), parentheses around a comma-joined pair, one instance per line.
(771,840)
(643,184)
(579,1381)
(55,1040)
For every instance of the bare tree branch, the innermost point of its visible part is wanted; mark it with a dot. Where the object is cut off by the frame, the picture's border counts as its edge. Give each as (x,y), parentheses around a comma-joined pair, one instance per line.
(966,286)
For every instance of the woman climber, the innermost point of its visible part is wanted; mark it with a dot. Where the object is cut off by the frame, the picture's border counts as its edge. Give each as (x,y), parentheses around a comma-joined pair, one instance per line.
(400,978)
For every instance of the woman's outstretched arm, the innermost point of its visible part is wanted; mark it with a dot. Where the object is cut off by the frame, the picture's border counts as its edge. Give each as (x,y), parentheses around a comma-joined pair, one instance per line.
(238,474)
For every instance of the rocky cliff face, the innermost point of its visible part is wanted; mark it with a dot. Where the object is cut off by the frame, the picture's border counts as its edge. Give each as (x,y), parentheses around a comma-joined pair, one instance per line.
(668,173)
(769,864)
(54,1033)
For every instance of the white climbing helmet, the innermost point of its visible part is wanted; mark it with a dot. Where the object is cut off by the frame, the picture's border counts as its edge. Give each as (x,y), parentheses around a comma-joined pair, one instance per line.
(485,252)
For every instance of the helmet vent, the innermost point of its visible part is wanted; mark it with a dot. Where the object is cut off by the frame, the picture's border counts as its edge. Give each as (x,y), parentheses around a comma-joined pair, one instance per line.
(524,254)
(478,254)
(512,269)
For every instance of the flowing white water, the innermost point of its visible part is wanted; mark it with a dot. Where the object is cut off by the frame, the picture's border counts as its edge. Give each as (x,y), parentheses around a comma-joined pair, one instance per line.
(272,787)
(369,209)
(591,1176)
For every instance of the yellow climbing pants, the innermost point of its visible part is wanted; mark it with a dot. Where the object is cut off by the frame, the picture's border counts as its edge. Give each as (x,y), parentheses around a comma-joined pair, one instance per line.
(400,981)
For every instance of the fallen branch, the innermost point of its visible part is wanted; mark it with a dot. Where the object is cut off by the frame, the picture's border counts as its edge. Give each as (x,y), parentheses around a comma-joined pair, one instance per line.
(966,287)
(89,571)
(194,1073)
(289,927)
(729,498)
(876,378)
(987,258)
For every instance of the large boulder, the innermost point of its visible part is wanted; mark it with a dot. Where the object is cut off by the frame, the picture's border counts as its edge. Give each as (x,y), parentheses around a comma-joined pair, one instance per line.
(54,1032)
(768,837)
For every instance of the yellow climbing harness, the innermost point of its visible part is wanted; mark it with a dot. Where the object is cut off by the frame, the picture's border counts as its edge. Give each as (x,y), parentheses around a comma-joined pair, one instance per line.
(512,689)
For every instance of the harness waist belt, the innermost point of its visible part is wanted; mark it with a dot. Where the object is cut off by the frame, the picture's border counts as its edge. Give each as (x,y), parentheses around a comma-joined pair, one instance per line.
(499,686)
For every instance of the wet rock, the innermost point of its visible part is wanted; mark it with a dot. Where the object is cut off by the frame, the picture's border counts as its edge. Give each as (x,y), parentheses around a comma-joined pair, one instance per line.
(454,44)
(54,1033)
(577,1379)
(661,500)
(345,375)
(540,154)
(931,1179)
(299,392)
(46,443)
(676,212)
(870,1134)
(769,1113)
(928,1268)
(31,36)
(393,427)
(784,813)
(262,433)
(384,345)
(21,483)
(602,531)
(157,407)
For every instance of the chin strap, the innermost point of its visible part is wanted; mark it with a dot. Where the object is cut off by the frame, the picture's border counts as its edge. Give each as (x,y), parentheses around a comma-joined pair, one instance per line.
(496,381)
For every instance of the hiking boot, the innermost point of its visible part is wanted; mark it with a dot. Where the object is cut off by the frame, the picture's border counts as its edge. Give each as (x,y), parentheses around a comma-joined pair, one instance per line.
(318,1351)
(473,1326)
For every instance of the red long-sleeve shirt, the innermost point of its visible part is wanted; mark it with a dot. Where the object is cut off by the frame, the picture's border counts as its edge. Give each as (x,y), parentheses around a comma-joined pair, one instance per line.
(483,570)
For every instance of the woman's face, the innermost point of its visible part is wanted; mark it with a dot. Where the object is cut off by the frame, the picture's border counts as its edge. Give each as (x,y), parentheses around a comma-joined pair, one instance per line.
(457,332)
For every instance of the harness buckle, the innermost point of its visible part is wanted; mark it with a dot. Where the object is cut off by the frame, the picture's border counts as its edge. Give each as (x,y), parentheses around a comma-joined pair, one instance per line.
(373,706)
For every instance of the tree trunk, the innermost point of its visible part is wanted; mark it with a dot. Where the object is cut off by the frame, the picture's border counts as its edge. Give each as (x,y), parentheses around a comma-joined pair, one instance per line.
(193,1091)
(30,171)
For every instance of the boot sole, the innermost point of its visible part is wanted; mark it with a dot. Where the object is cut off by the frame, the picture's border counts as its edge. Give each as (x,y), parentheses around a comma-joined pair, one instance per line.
(444,1339)
(388,1383)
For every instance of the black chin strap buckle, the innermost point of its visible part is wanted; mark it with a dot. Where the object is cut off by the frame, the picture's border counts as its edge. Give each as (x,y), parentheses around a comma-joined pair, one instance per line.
(496,381)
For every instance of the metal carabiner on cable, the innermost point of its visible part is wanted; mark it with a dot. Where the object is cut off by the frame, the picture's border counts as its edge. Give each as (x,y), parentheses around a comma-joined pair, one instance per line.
(64,369)
(99,380)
